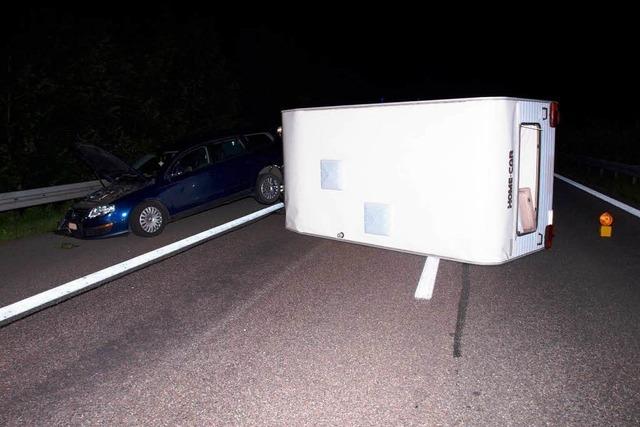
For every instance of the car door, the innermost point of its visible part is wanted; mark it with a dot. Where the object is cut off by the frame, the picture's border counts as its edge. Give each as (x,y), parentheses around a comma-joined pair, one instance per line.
(229,174)
(189,184)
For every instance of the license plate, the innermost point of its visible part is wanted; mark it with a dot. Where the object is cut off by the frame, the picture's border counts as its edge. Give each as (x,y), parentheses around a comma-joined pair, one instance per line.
(72,226)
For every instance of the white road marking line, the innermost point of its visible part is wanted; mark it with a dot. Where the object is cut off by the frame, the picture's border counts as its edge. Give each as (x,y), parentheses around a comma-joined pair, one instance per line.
(614,202)
(94,279)
(424,290)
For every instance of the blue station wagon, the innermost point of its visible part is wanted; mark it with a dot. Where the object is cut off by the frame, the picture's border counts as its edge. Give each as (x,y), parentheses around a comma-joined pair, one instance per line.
(145,196)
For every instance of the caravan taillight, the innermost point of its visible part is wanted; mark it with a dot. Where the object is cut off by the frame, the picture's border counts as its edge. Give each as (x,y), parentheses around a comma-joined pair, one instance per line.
(548,236)
(554,114)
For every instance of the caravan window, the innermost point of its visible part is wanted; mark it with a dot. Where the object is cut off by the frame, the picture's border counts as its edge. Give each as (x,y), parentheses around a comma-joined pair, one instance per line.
(528,177)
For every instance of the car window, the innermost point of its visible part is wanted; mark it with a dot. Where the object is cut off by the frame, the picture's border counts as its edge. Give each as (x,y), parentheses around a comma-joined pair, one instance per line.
(220,151)
(257,140)
(146,164)
(193,160)
(167,156)
(150,163)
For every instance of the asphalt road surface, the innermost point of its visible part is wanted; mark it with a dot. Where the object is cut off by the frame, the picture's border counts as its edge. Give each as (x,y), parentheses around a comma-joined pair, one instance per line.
(266,327)
(38,263)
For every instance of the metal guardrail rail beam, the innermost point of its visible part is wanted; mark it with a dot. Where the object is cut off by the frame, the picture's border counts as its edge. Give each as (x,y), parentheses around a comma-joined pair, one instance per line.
(631,170)
(40,196)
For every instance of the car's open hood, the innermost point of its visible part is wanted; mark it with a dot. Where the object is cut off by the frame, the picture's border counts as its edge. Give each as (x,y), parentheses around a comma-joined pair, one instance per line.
(110,194)
(104,164)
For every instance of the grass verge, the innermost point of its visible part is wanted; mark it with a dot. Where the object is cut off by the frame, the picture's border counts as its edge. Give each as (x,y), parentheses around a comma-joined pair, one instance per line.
(20,223)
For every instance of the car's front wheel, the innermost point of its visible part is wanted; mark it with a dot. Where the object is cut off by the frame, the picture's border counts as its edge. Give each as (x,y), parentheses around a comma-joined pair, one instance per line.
(268,188)
(148,219)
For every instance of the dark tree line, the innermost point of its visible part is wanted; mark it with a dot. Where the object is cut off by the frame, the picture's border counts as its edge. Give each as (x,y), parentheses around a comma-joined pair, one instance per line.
(127,85)
(607,138)
(139,82)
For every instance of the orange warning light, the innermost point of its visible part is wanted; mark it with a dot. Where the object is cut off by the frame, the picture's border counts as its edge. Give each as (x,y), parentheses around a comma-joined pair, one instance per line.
(606,219)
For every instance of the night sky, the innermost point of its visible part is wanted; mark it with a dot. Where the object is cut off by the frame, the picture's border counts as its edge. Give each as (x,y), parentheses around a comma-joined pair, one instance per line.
(589,65)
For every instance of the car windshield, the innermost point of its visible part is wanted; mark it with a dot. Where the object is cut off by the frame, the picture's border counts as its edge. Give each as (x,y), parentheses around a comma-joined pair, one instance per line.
(150,163)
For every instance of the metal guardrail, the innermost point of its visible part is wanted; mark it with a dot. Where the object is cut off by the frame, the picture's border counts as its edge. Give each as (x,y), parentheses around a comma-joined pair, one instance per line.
(615,167)
(40,196)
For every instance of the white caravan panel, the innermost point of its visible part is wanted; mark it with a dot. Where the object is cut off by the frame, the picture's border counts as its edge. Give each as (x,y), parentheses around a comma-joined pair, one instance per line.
(437,178)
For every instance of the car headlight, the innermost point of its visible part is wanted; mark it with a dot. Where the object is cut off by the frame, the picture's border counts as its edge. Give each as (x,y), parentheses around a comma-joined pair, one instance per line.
(101,210)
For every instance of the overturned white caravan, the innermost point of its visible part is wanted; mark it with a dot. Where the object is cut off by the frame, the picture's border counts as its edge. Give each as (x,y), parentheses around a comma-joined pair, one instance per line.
(462,179)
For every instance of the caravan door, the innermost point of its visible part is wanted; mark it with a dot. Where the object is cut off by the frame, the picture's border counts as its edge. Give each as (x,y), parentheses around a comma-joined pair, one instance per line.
(533,189)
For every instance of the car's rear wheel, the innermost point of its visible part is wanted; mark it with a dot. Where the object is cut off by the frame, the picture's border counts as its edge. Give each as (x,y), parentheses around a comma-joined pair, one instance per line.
(268,188)
(149,218)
